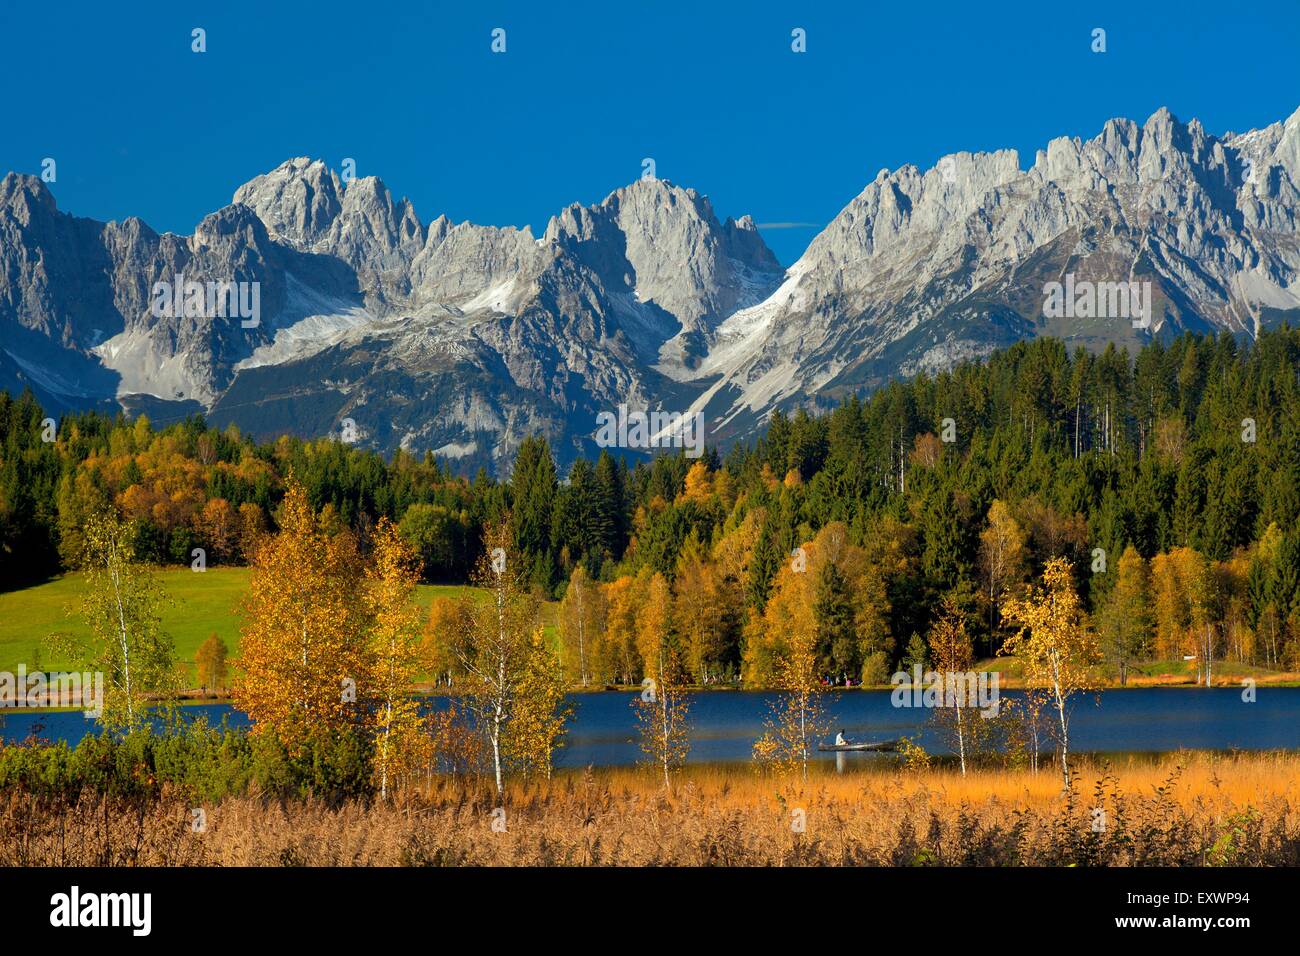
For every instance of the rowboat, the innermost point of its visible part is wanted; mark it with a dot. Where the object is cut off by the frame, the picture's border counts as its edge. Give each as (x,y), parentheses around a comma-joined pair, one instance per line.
(882,746)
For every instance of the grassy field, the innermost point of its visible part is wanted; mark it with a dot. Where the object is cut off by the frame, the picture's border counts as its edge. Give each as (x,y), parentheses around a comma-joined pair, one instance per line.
(1153,674)
(204,604)
(208,603)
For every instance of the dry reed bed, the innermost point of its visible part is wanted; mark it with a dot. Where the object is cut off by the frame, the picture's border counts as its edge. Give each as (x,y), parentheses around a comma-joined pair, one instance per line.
(1181,810)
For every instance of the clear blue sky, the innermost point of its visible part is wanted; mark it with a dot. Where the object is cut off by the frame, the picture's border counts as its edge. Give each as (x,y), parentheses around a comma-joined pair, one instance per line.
(141,125)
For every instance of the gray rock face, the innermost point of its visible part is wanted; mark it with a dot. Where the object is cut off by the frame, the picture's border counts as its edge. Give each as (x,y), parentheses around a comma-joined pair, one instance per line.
(298,201)
(923,269)
(462,339)
(666,247)
(456,338)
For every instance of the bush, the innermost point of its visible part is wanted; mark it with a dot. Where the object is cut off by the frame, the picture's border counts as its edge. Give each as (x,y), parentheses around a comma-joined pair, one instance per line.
(201,761)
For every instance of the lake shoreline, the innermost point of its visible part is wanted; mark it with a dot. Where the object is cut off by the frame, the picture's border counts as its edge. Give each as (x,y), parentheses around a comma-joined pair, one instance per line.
(602,729)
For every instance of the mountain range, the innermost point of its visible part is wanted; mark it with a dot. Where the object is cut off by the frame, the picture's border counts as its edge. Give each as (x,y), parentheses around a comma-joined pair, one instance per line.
(461,340)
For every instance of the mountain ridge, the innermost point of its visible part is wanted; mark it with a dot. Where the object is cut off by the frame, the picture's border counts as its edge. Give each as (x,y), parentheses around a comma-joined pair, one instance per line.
(461,339)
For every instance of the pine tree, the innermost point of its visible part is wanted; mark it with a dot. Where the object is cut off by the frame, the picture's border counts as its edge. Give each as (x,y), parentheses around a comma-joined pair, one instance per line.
(763,566)
(533,492)
(1125,620)
(608,514)
(837,638)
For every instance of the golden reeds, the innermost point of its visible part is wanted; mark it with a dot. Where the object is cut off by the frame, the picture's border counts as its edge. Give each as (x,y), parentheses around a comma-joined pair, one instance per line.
(1189,809)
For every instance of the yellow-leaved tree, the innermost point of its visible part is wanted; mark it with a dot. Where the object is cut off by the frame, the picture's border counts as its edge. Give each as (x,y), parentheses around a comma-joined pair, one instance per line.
(616,652)
(210,663)
(789,655)
(703,614)
(1003,553)
(537,723)
(957,713)
(494,648)
(1055,644)
(661,708)
(401,745)
(304,654)
(841,591)
(698,485)
(1171,577)
(447,616)
(582,617)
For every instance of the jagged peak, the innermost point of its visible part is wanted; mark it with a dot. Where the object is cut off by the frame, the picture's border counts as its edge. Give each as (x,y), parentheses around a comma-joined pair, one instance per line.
(228,221)
(16,186)
(297,200)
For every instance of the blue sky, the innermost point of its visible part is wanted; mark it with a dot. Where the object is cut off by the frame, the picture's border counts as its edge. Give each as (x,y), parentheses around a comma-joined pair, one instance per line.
(140,125)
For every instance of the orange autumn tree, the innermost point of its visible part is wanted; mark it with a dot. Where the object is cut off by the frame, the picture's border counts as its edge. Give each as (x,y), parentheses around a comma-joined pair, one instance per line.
(447,616)
(617,656)
(703,611)
(304,653)
(698,485)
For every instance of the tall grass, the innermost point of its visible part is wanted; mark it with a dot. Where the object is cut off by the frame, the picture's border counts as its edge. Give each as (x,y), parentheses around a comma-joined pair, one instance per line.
(1181,810)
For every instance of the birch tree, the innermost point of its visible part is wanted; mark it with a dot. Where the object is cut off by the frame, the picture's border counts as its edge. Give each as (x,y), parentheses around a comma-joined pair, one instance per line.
(122,606)
(582,614)
(662,706)
(537,723)
(400,741)
(304,652)
(953,658)
(1205,601)
(493,650)
(1056,645)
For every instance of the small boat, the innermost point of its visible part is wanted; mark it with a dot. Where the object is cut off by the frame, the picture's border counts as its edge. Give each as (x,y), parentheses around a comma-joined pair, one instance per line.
(882,746)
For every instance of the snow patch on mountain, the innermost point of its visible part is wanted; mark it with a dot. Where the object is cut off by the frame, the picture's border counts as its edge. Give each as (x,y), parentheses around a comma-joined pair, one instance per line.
(145,370)
(310,321)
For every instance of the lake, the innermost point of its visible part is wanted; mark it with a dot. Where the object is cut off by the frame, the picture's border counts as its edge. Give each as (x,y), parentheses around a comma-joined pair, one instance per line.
(726,723)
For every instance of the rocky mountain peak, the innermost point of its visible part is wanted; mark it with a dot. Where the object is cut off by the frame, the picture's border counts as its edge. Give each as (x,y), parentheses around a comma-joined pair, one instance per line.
(298,200)
(233,224)
(665,245)
(25,197)
(460,339)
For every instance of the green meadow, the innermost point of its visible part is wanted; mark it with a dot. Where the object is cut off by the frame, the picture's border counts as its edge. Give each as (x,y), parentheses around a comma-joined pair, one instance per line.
(202,604)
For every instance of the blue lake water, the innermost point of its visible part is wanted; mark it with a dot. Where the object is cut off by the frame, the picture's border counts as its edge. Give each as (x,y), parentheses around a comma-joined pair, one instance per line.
(725,724)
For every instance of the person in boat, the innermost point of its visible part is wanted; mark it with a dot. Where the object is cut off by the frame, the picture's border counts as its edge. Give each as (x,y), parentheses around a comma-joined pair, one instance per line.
(840,739)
